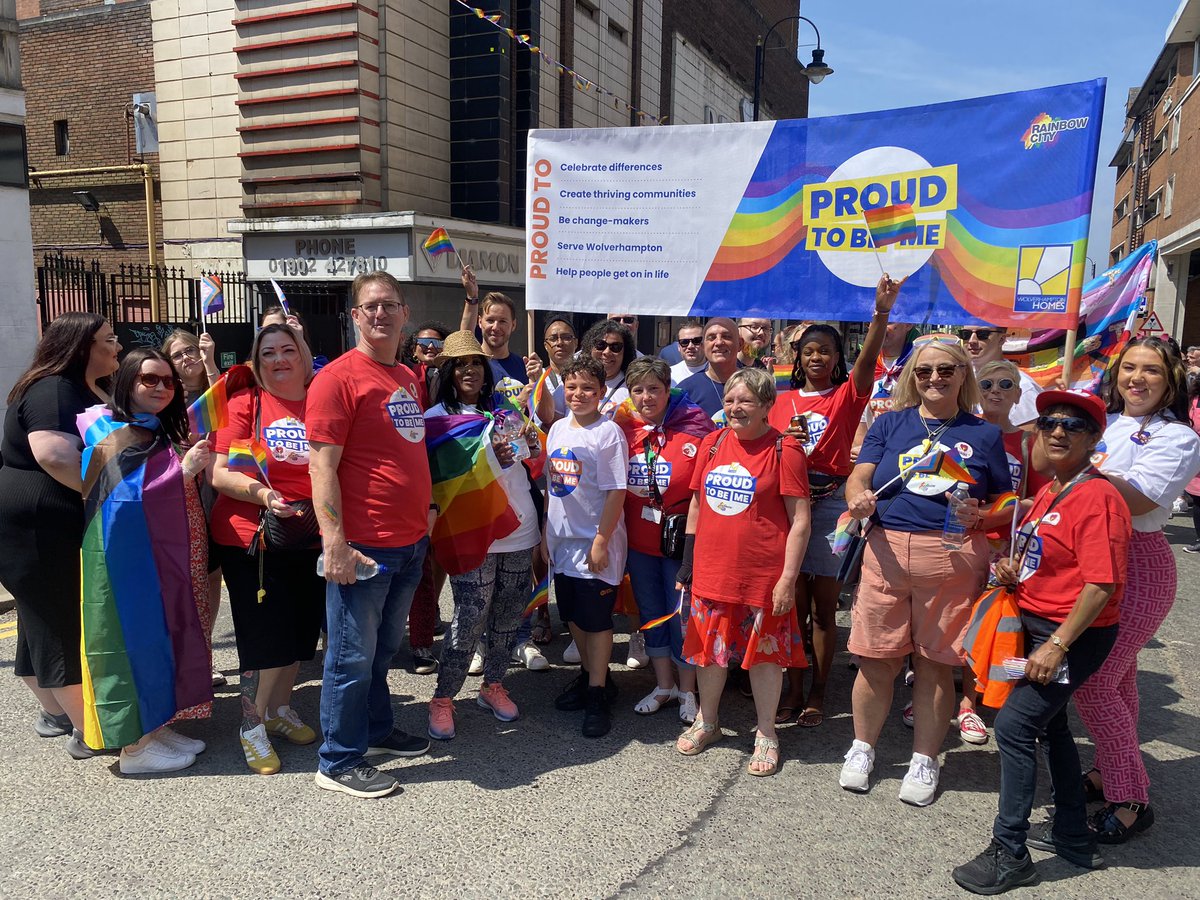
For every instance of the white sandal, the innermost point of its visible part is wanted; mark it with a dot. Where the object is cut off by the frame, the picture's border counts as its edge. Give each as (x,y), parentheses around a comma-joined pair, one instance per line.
(689,707)
(656,700)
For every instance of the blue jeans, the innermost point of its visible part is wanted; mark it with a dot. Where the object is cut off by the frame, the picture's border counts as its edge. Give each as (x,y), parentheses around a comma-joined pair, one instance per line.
(1035,711)
(653,580)
(366,624)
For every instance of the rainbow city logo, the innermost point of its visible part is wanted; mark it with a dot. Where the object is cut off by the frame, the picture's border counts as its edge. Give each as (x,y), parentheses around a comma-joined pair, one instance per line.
(1045,129)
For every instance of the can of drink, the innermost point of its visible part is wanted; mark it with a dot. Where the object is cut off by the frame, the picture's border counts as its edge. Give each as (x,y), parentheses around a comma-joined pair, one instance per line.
(798,422)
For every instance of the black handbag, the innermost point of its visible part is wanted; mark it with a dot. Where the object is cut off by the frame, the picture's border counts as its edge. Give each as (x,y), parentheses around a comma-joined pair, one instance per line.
(298,532)
(674,530)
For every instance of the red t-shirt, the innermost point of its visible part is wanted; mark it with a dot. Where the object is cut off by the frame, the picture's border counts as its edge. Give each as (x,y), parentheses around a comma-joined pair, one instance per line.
(1035,480)
(373,413)
(283,434)
(673,465)
(833,416)
(1083,540)
(743,526)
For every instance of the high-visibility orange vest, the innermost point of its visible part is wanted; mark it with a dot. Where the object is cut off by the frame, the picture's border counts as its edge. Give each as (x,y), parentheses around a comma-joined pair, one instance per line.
(994,635)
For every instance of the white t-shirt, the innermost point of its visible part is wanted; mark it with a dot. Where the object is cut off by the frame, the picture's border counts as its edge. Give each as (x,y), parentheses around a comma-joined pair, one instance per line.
(682,370)
(583,463)
(615,393)
(516,485)
(1159,468)
(1025,409)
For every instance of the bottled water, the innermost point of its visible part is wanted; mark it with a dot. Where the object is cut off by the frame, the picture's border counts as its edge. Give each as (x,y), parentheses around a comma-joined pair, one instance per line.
(362,571)
(508,431)
(954,531)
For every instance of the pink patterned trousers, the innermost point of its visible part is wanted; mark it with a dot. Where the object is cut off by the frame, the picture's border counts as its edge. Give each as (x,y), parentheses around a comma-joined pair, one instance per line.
(1108,701)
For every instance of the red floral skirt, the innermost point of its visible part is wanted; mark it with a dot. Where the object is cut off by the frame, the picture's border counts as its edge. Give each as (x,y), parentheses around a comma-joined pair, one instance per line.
(720,633)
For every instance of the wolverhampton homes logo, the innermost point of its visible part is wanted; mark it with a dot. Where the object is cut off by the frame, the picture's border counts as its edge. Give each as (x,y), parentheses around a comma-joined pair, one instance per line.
(1044,130)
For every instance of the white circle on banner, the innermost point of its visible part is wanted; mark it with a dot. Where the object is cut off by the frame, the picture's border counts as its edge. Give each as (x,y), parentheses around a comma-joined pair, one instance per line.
(856,266)
(925,485)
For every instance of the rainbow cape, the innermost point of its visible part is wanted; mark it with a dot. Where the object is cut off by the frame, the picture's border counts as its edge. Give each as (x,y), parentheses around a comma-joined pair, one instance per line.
(144,652)
(1108,312)
(682,415)
(474,505)
(891,224)
(438,243)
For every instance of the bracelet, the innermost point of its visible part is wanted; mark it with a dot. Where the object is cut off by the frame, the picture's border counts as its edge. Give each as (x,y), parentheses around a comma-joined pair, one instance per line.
(883,312)
(1057,642)
(472,300)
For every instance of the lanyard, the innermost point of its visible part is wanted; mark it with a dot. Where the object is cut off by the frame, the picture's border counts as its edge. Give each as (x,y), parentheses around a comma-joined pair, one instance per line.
(651,456)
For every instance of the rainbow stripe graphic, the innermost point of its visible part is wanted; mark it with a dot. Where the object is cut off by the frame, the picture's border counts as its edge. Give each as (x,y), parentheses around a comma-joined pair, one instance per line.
(891,224)
(438,243)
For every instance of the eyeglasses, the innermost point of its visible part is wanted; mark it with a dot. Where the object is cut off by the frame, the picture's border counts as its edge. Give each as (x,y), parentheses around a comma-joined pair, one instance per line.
(937,338)
(610,346)
(1005,384)
(390,307)
(757,329)
(691,342)
(185,353)
(431,343)
(150,382)
(1069,424)
(984,334)
(561,338)
(944,370)
(624,320)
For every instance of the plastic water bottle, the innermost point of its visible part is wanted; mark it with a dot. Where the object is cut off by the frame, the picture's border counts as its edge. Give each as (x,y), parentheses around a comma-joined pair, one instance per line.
(362,571)
(954,531)
(508,431)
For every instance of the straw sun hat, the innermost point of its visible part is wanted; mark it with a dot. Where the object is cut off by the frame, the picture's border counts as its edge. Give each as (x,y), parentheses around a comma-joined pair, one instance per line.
(459,344)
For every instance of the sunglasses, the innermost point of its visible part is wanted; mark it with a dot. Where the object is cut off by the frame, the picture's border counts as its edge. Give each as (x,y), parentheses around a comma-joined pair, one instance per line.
(984,334)
(1005,384)
(431,343)
(150,382)
(624,320)
(944,370)
(610,346)
(1069,424)
(691,342)
(948,339)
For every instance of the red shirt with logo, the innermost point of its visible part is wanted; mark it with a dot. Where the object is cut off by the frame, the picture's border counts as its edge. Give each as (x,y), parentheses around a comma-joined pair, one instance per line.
(832,415)
(373,412)
(743,525)
(1034,480)
(674,462)
(283,433)
(1084,539)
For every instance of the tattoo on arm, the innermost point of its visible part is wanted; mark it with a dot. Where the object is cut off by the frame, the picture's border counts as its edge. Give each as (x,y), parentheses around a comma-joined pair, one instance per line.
(250,717)
(331,512)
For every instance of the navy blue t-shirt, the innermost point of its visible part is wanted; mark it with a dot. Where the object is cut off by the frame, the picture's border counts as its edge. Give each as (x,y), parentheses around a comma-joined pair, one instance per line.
(920,505)
(709,395)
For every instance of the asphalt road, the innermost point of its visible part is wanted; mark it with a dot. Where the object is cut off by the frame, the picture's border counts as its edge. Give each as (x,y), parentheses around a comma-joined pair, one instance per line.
(532,809)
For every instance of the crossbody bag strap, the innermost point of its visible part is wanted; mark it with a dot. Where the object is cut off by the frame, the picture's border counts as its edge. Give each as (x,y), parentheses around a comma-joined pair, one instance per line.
(1076,482)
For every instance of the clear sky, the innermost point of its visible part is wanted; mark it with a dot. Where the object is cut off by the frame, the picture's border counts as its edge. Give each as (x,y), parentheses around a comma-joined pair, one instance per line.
(888,54)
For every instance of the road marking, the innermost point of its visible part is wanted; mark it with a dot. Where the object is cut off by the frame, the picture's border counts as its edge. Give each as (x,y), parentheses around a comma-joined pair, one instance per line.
(7,631)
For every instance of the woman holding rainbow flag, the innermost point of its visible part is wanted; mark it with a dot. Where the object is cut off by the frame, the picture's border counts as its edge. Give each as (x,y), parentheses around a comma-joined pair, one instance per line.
(823,410)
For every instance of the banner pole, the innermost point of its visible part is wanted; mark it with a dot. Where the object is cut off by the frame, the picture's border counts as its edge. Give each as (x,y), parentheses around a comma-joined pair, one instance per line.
(529,325)
(1068,368)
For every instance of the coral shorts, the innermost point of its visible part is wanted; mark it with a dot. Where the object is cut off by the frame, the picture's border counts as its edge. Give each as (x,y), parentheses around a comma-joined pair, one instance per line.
(915,596)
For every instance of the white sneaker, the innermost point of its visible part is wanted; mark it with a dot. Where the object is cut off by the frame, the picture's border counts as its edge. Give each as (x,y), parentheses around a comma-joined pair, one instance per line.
(1179,506)
(906,716)
(856,771)
(476,667)
(920,784)
(177,741)
(154,757)
(637,651)
(571,654)
(531,657)
(689,707)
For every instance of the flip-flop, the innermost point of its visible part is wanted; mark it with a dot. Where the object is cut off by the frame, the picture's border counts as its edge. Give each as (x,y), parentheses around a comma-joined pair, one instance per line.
(785,714)
(811,718)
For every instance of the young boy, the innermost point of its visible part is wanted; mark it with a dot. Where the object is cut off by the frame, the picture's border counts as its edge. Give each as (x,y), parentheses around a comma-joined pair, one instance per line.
(585,533)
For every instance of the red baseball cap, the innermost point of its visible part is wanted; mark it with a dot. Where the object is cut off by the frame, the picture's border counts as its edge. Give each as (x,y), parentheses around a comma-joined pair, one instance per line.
(1087,403)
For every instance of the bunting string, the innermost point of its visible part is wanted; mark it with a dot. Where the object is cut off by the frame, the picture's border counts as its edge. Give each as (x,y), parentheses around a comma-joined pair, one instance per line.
(581,83)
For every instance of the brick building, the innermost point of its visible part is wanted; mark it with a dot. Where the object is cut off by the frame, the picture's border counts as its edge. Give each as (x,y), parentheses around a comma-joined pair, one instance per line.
(1158,175)
(89,72)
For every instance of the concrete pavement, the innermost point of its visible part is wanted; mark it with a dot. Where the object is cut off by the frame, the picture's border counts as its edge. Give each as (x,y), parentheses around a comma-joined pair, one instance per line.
(532,809)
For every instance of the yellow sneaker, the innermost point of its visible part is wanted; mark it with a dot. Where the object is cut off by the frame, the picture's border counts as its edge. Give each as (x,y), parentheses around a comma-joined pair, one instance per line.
(260,755)
(290,727)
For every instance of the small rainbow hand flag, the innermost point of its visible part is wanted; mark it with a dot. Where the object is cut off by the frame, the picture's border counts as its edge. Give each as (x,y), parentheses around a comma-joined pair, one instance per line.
(1004,501)
(247,456)
(541,596)
(783,376)
(662,620)
(538,392)
(212,296)
(941,464)
(839,539)
(210,412)
(438,243)
(891,224)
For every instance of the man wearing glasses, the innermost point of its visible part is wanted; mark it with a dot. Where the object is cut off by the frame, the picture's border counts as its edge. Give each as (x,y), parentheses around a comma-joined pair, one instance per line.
(373,499)
(985,345)
(756,342)
(630,321)
(691,351)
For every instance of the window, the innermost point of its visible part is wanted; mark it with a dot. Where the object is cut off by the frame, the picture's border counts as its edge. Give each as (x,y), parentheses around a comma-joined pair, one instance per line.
(1174,126)
(1157,147)
(588,9)
(1168,196)
(617,31)
(62,138)
(1122,210)
(1152,207)
(1115,254)
(710,115)
(13,161)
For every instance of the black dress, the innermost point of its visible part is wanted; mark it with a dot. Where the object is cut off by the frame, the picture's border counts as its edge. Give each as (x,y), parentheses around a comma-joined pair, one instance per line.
(41,533)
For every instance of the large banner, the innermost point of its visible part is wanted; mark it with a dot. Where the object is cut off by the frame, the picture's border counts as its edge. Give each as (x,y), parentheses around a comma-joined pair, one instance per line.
(766,218)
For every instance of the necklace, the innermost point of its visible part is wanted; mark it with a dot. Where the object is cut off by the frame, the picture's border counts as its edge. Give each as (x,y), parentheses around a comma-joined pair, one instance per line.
(927,444)
(1141,437)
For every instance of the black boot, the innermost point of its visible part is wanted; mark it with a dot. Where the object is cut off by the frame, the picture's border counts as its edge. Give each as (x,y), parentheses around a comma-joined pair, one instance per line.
(596,719)
(574,698)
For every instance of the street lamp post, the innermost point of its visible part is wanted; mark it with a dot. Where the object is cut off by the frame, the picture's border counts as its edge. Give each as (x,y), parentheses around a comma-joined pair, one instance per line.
(815,71)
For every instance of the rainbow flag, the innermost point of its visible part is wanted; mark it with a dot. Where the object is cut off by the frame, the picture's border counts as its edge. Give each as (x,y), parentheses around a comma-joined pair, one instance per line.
(540,596)
(144,650)
(210,412)
(841,536)
(438,243)
(538,392)
(891,224)
(1004,501)
(662,620)
(248,456)
(941,464)
(682,415)
(783,377)
(466,487)
(212,296)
